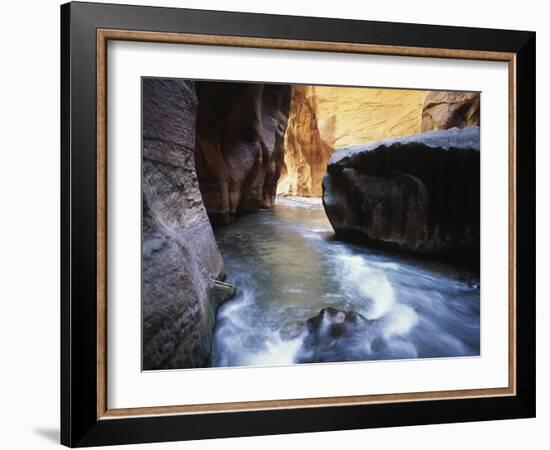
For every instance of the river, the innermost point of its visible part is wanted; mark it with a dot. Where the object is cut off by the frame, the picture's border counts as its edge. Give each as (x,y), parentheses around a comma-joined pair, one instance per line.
(287,267)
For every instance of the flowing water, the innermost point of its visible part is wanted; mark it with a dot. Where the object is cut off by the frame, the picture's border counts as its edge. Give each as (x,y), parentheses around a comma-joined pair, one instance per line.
(287,267)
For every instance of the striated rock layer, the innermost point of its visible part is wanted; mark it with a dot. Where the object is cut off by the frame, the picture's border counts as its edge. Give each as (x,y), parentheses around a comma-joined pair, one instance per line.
(240,145)
(420,194)
(180,258)
(443,110)
(323,118)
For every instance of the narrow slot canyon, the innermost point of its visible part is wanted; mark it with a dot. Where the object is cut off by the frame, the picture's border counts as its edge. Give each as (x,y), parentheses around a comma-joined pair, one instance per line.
(287,224)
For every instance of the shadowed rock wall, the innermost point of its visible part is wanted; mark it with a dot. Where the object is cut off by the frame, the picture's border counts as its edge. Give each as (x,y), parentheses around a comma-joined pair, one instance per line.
(240,145)
(180,257)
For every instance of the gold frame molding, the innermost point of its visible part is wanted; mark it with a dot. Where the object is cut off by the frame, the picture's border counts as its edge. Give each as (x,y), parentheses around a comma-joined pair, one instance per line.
(103,36)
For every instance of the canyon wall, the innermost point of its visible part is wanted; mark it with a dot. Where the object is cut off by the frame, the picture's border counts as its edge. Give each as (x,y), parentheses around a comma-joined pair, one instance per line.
(306,152)
(419,194)
(323,118)
(240,145)
(181,262)
(443,110)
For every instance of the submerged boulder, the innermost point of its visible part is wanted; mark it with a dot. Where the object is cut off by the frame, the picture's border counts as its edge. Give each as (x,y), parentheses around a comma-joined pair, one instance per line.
(420,194)
(336,335)
(331,335)
(180,258)
(334,323)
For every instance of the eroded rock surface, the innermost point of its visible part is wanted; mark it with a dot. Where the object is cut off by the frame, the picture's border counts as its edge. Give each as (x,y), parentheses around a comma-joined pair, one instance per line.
(419,194)
(306,152)
(180,257)
(323,118)
(443,110)
(240,145)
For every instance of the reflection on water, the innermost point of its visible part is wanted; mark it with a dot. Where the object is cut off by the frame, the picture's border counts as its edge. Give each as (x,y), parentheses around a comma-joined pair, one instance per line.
(287,267)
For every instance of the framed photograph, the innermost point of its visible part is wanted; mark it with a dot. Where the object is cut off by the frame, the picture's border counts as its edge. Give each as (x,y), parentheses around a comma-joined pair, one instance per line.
(276,224)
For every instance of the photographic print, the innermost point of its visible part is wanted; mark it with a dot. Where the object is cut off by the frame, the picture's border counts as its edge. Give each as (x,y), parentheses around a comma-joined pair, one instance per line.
(292,224)
(271,203)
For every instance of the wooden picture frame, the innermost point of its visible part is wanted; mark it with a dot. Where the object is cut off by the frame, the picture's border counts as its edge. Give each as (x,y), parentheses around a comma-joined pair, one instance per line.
(86,418)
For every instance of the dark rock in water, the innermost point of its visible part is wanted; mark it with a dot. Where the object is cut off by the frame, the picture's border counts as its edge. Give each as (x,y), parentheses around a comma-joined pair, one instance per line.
(331,322)
(420,194)
(180,257)
(240,145)
(332,335)
(292,330)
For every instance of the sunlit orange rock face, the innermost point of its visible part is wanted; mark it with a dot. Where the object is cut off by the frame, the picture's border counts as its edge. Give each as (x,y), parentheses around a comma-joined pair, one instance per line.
(323,118)
(306,152)
(443,110)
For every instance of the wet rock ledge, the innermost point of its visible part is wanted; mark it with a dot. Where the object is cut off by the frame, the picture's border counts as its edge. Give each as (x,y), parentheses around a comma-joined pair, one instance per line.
(419,194)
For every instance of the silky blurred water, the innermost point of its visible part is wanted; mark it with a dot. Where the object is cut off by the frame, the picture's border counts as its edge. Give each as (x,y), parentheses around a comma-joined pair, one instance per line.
(287,266)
